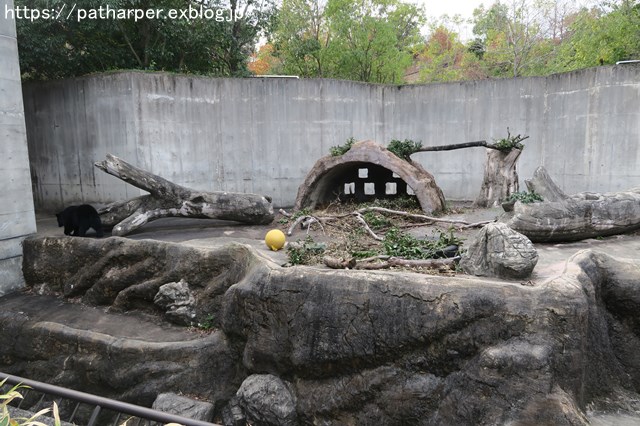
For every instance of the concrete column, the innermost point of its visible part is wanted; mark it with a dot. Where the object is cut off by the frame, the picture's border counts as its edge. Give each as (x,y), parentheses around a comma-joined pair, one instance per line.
(17,217)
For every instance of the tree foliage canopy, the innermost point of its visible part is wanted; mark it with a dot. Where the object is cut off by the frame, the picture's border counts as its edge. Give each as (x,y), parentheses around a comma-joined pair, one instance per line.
(369,40)
(55,48)
(366,41)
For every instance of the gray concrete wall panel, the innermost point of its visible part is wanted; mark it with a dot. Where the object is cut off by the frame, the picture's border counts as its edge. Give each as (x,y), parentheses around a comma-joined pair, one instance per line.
(262,135)
(17,218)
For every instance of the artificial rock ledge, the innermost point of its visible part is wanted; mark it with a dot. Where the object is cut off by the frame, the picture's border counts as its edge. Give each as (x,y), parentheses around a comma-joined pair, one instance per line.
(348,347)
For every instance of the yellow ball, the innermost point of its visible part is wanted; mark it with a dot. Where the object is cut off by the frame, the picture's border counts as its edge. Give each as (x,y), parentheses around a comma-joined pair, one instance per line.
(275,239)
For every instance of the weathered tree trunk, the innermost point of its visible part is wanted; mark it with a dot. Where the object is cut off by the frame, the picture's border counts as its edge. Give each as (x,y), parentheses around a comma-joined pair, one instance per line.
(561,218)
(167,199)
(500,177)
(542,184)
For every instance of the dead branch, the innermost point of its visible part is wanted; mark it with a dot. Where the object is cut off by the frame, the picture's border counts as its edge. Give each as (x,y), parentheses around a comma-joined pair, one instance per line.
(308,220)
(455,146)
(295,223)
(463,223)
(514,140)
(334,263)
(306,224)
(366,227)
(167,199)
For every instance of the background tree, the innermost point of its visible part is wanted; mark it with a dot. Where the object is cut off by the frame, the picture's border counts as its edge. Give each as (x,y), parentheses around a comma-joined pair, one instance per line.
(67,47)
(263,62)
(599,36)
(301,37)
(445,58)
(366,41)
(509,36)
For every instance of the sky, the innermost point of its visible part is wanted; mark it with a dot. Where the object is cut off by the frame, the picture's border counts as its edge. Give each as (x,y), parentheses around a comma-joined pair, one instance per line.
(437,8)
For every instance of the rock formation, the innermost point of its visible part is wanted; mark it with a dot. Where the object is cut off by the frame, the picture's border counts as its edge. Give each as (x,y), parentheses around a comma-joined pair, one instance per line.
(183,406)
(346,347)
(499,251)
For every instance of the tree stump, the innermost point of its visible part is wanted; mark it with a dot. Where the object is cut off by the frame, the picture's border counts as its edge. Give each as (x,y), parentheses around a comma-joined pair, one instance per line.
(167,199)
(500,177)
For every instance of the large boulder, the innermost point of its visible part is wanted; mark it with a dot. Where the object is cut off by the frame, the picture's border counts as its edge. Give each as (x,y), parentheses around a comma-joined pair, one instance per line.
(499,251)
(177,301)
(183,406)
(267,401)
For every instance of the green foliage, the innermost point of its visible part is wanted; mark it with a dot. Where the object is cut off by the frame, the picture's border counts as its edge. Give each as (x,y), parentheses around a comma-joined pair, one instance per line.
(304,252)
(404,149)
(525,197)
(57,48)
(376,220)
(509,36)
(363,254)
(401,202)
(510,142)
(401,244)
(12,394)
(366,41)
(445,58)
(600,36)
(207,323)
(338,150)
(507,144)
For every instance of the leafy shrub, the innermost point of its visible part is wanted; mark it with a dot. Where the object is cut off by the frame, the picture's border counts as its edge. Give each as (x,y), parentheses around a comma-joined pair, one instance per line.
(5,416)
(400,202)
(404,149)
(525,197)
(363,254)
(401,244)
(207,323)
(303,252)
(510,142)
(338,150)
(376,220)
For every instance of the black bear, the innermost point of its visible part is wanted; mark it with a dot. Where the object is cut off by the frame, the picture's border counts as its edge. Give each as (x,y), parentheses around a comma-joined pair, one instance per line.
(78,219)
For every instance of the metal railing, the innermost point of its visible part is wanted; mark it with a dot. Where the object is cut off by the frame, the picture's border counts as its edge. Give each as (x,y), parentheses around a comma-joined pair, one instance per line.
(101,403)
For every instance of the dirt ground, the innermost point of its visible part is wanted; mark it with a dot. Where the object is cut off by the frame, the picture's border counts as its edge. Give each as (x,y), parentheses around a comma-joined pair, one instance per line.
(211,233)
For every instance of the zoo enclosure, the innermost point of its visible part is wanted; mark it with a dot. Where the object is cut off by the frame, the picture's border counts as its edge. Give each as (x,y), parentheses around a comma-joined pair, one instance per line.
(262,135)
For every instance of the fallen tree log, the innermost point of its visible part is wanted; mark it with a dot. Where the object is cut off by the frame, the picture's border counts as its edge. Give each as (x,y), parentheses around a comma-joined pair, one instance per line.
(167,199)
(576,217)
(387,262)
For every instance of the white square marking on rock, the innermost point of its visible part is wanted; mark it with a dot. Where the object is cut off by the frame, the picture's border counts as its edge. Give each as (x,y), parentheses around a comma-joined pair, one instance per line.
(350,188)
(363,173)
(390,188)
(370,188)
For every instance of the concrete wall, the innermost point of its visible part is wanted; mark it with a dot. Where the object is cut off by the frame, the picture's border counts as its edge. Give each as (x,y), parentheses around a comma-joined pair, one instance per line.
(263,135)
(17,218)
